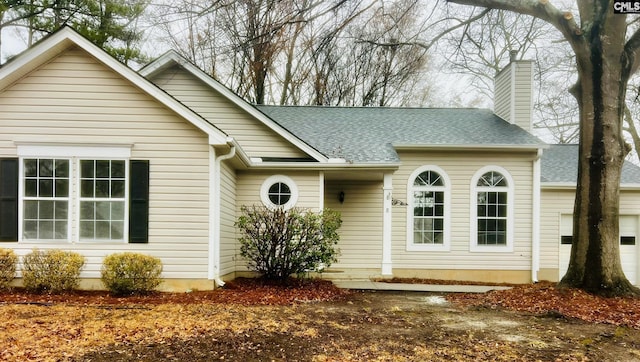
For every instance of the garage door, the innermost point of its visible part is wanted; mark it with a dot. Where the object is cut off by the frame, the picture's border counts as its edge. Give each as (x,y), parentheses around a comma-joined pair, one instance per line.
(628,245)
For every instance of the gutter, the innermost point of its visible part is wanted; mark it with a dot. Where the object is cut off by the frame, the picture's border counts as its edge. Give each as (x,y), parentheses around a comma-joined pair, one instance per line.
(215,202)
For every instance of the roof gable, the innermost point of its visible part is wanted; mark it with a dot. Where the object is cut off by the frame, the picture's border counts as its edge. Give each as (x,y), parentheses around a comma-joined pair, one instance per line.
(172,59)
(58,42)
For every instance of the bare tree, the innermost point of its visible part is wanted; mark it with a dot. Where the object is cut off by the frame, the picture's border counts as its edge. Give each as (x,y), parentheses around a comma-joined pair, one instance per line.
(605,59)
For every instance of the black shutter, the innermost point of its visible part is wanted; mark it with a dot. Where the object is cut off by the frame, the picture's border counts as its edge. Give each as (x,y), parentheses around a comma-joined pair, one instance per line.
(9,199)
(138,201)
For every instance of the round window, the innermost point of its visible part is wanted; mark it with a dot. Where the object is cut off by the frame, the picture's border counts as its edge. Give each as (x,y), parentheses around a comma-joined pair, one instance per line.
(279,191)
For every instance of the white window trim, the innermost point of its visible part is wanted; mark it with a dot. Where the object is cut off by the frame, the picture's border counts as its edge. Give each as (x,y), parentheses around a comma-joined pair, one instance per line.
(73,153)
(473,220)
(266,184)
(446,242)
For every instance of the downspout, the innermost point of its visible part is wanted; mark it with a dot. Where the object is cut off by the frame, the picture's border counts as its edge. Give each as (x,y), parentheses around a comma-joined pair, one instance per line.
(216,196)
(535,233)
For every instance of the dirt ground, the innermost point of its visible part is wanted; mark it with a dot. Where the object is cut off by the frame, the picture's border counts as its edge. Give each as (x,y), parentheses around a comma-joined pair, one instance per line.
(361,326)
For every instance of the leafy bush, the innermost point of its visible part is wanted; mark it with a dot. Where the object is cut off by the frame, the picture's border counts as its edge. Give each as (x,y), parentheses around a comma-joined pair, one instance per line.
(8,262)
(131,273)
(278,243)
(51,271)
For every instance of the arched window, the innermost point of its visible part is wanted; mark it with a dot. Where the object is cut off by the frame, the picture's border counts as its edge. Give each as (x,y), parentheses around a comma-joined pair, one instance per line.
(492,210)
(428,209)
(279,191)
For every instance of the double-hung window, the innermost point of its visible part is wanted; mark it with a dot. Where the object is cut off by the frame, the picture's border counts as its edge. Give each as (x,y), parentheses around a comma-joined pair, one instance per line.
(492,210)
(428,210)
(102,199)
(46,198)
(81,194)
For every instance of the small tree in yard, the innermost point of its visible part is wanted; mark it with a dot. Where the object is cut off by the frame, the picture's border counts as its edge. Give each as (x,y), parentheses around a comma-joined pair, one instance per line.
(278,243)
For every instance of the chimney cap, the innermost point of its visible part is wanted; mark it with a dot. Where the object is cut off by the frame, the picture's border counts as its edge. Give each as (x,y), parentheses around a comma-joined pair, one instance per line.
(513,55)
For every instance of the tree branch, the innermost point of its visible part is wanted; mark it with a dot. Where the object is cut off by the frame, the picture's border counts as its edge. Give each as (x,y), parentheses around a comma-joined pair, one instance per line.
(541,9)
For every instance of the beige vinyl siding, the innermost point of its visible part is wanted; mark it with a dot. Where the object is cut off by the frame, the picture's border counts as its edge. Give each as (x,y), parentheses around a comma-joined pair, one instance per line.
(554,203)
(75,100)
(248,185)
(228,243)
(257,140)
(361,231)
(461,167)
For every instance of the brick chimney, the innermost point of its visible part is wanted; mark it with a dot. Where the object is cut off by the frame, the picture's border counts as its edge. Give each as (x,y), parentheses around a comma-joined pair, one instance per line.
(513,93)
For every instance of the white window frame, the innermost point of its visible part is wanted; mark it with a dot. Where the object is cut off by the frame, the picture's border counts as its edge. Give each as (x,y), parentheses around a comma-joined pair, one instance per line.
(270,181)
(73,153)
(473,223)
(80,199)
(446,242)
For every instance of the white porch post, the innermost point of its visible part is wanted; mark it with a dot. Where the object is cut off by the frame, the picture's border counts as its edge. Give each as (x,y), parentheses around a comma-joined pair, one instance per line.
(387,188)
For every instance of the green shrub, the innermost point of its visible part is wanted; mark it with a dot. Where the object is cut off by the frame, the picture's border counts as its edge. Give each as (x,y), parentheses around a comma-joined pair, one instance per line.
(51,271)
(131,273)
(278,243)
(8,262)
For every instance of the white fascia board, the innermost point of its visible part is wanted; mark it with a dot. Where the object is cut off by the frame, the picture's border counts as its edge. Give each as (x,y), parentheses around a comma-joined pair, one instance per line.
(171,57)
(57,42)
(323,166)
(486,147)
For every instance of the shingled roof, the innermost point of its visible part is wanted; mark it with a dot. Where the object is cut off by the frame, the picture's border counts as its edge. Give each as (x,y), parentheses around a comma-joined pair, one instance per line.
(560,165)
(369,134)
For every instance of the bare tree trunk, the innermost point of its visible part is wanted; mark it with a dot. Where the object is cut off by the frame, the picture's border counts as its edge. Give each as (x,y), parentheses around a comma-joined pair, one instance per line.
(595,255)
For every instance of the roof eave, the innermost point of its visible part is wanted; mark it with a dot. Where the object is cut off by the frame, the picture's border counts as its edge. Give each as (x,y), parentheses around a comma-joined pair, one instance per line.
(485,147)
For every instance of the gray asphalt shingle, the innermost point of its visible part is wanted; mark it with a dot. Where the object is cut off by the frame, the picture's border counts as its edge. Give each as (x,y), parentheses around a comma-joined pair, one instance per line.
(560,164)
(367,134)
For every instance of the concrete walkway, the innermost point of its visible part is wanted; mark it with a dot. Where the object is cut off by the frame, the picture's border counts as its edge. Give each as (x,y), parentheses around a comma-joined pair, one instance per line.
(371,285)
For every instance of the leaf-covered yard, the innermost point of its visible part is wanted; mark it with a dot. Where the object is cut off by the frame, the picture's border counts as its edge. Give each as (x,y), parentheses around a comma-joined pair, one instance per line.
(316,322)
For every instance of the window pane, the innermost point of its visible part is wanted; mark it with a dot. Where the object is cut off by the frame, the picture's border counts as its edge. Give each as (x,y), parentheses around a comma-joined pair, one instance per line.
(86,169)
(30,188)
(62,188)
(45,168)
(30,229)
(102,169)
(61,229)
(61,210)
(428,178)
(45,230)
(45,210)
(31,210)
(86,188)
(30,168)
(45,188)
(118,169)
(103,230)
(566,240)
(86,229)
(117,230)
(117,189)
(102,188)
(117,211)
(103,210)
(62,168)
(87,210)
